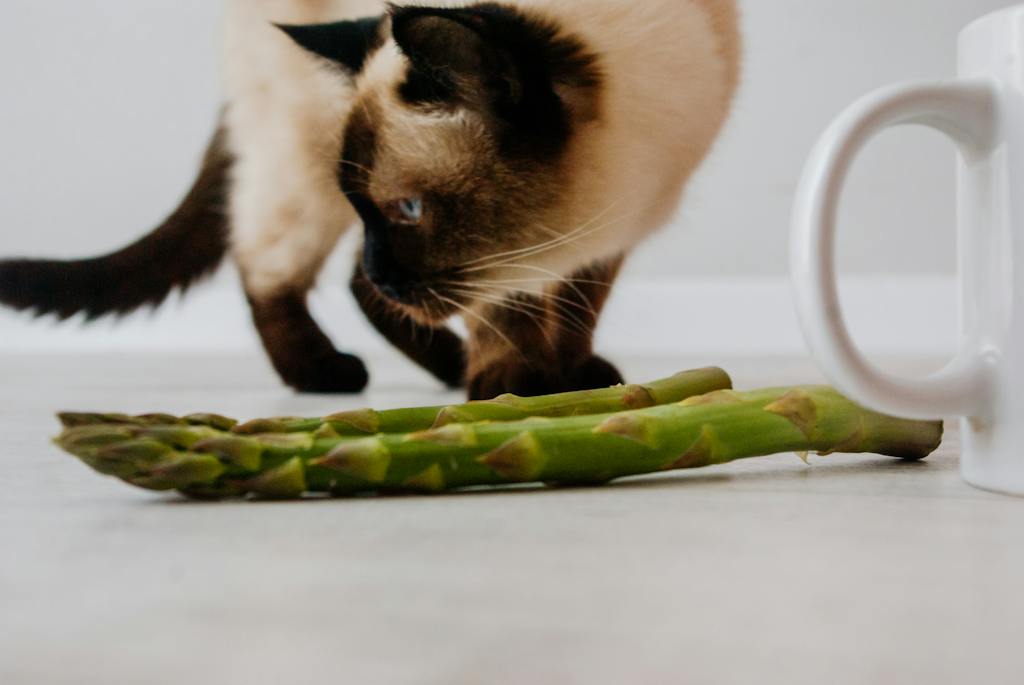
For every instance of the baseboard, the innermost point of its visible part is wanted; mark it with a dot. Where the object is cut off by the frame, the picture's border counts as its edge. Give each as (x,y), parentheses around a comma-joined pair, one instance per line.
(729,318)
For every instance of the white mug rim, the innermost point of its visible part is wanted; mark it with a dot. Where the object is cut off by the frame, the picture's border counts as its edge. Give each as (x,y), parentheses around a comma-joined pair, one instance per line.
(997,16)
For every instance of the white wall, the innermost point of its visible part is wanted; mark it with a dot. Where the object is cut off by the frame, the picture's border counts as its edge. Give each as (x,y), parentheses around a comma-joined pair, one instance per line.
(107,104)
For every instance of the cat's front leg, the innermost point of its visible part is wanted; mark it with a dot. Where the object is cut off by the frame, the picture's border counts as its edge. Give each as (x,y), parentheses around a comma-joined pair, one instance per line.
(280,242)
(530,367)
(437,349)
(516,375)
(576,307)
(540,345)
(511,351)
(302,354)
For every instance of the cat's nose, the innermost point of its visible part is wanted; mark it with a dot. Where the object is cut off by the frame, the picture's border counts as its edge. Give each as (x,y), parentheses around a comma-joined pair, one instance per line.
(384,270)
(392,281)
(400,292)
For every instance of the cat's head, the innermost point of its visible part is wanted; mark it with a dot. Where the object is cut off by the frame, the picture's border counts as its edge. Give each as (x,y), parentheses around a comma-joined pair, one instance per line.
(455,153)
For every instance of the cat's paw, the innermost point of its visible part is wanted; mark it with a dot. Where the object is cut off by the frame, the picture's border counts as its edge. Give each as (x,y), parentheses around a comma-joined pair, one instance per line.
(593,374)
(447,359)
(453,376)
(515,377)
(336,374)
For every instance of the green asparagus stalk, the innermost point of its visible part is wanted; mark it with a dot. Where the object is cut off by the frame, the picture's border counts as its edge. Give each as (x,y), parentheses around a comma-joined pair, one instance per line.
(200,459)
(363,422)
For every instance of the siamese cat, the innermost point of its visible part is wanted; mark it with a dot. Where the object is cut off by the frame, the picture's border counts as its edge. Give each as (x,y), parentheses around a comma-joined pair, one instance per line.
(502,158)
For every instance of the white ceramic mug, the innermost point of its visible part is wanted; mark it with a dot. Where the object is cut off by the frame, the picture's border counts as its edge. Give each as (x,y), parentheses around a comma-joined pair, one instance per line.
(983,113)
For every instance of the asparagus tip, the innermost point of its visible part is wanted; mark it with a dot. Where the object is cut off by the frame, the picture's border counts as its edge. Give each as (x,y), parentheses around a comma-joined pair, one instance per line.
(367,459)
(361,420)
(245,453)
(452,435)
(83,440)
(633,427)
(703,452)
(521,459)
(258,426)
(288,442)
(799,409)
(70,419)
(430,480)
(215,421)
(450,415)
(637,397)
(144,450)
(713,398)
(326,432)
(178,472)
(287,481)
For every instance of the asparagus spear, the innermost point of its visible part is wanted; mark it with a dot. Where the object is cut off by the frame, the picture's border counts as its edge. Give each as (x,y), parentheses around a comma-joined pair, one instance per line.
(363,422)
(203,461)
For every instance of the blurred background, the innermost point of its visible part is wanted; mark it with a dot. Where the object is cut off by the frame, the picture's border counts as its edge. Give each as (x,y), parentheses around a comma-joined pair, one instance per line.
(108,104)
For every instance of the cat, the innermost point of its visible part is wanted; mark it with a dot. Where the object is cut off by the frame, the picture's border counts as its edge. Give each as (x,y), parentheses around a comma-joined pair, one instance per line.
(502,158)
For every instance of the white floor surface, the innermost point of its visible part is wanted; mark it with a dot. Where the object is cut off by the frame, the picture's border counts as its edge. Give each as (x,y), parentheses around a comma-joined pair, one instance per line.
(851,570)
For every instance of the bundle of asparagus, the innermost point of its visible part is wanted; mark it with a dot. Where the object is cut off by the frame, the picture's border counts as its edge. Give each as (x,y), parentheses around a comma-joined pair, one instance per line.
(691,420)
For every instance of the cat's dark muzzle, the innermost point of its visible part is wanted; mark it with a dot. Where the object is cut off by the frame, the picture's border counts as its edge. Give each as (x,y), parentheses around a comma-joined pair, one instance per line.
(425,302)
(398,290)
(394,282)
(425,296)
(381,265)
(421,297)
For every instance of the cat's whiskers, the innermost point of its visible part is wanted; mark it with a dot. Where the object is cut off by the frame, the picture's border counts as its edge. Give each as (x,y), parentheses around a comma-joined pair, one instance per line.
(550,231)
(544,281)
(559,238)
(356,184)
(568,239)
(553,278)
(515,306)
(356,165)
(534,312)
(501,299)
(482,319)
(496,287)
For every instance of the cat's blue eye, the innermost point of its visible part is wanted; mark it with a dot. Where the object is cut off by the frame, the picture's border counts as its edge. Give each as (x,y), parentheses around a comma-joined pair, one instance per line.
(411,209)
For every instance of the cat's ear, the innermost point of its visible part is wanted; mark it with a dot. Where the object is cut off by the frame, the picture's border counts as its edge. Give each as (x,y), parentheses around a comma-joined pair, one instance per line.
(345,43)
(463,51)
(525,68)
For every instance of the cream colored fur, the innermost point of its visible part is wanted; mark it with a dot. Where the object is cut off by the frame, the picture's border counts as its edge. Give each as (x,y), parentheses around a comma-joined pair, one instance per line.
(285,117)
(670,67)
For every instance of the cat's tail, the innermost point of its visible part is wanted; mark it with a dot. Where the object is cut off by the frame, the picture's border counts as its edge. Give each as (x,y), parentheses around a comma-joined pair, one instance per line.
(189,245)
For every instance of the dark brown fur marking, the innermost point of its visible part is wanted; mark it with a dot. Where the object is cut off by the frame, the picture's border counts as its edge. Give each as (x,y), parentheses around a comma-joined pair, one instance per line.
(438,350)
(581,300)
(495,56)
(304,357)
(545,345)
(188,246)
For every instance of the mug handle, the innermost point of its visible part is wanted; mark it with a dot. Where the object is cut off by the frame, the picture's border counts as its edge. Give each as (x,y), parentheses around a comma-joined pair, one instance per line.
(966,111)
